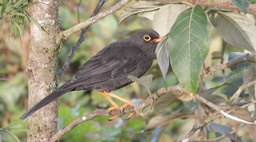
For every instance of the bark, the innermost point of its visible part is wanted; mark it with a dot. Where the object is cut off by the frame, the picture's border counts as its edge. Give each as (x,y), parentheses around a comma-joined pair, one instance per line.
(41,68)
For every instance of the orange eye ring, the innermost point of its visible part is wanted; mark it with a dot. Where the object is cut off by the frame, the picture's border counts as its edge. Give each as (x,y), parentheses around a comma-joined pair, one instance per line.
(146,38)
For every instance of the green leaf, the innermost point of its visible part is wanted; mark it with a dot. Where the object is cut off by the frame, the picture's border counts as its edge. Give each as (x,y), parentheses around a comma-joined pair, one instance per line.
(6,135)
(251,1)
(219,128)
(162,54)
(241,73)
(236,29)
(189,47)
(20,14)
(242,4)
(144,80)
(12,91)
(19,28)
(165,17)
(242,66)
(212,90)
(14,12)
(216,99)
(140,7)
(32,20)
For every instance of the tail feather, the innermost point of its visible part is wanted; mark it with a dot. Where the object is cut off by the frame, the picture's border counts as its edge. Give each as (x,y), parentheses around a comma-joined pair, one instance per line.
(53,96)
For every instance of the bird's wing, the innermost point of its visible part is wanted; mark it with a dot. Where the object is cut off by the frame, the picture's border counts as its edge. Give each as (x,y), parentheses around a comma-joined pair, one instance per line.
(102,68)
(99,71)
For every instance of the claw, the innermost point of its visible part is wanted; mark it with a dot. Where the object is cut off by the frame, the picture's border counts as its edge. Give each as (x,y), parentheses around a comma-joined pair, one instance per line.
(131,115)
(112,108)
(115,106)
(126,105)
(113,117)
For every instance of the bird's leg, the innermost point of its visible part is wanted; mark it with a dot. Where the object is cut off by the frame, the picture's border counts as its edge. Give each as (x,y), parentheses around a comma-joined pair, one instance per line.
(121,99)
(114,105)
(127,103)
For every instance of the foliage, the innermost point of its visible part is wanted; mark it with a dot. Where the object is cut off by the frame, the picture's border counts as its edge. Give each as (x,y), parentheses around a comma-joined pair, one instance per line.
(14,12)
(193,51)
(188,43)
(195,37)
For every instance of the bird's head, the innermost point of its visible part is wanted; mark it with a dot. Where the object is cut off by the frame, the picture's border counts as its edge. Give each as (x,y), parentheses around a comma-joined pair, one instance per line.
(146,39)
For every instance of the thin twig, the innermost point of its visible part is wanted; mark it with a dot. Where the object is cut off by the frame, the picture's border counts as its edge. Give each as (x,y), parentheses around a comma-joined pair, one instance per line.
(203,124)
(176,90)
(208,103)
(65,67)
(218,138)
(235,97)
(222,110)
(77,121)
(193,130)
(250,57)
(218,4)
(101,112)
(67,33)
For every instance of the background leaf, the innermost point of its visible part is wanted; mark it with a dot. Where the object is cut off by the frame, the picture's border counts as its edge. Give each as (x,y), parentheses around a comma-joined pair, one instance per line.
(235,29)
(242,4)
(144,80)
(223,130)
(190,46)
(162,22)
(6,135)
(139,7)
(14,52)
(251,1)
(162,54)
(16,13)
(165,17)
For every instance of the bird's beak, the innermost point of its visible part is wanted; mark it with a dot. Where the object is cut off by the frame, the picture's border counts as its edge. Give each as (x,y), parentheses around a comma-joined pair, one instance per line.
(158,39)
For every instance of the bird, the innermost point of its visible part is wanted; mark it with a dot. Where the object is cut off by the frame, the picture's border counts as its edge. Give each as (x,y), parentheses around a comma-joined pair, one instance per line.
(109,69)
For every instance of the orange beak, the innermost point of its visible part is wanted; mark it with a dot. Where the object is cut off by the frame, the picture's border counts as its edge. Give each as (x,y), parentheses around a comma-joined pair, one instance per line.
(158,39)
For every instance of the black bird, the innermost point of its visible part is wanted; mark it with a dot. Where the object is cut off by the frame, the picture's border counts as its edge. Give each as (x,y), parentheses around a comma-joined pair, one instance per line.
(109,68)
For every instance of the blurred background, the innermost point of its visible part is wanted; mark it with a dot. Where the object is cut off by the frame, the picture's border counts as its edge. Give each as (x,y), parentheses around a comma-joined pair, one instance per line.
(14,52)
(169,121)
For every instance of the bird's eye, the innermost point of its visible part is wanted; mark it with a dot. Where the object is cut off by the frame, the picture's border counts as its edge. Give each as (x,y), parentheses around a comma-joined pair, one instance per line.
(147,38)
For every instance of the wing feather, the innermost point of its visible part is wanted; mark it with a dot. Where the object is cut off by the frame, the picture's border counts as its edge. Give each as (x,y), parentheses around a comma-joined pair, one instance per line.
(108,65)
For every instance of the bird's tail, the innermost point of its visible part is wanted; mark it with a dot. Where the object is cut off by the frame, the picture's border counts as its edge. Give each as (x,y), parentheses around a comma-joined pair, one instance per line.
(51,97)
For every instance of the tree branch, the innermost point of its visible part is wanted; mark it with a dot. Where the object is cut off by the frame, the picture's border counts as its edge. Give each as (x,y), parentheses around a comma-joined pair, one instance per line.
(193,130)
(103,112)
(250,57)
(176,90)
(218,4)
(218,138)
(235,97)
(67,33)
(65,66)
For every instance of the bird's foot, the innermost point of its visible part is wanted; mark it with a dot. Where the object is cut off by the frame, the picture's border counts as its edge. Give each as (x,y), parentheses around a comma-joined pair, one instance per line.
(125,106)
(131,115)
(113,108)
(122,109)
(116,107)
(113,117)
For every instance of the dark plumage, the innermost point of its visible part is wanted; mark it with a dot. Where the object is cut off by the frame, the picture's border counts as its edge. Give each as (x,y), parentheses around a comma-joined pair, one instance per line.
(109,68)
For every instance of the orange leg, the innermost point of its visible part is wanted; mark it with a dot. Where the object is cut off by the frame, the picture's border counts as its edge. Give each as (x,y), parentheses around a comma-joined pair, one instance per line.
(127,103)
(120,98)
(114,105)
